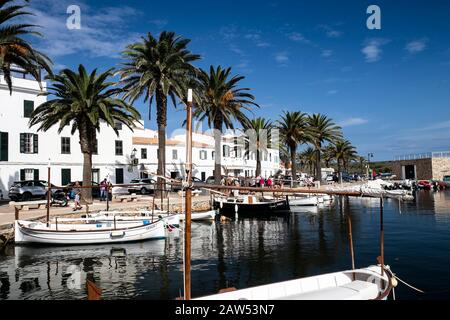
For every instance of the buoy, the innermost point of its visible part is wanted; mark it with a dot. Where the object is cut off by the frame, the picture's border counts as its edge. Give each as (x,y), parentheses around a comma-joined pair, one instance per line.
(394,282)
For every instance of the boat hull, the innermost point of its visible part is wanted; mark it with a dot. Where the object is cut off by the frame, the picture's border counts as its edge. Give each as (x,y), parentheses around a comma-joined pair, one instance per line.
(256,209)
(28,232)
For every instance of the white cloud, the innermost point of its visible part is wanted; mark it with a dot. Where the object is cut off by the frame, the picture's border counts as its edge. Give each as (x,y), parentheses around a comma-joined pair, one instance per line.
(372,49)
(330,32)
(102,32)
(332,92)
(257,39)
(160,23)
(327,53)
(282,57)
(416,46)
(353,122)
(297,37)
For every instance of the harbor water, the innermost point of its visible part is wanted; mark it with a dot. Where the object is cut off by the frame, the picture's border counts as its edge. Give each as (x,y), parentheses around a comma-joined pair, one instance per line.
(249,252)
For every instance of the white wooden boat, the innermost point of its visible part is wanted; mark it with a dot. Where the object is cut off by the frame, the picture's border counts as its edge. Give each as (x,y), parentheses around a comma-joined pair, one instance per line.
(303,201)
(122,217)
(79,233)
(360,284)
(200,216)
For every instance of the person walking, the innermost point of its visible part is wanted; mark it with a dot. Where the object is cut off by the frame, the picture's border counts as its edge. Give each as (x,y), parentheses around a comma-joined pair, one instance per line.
(77,199)
(262,182)
(270,182)
(103,190)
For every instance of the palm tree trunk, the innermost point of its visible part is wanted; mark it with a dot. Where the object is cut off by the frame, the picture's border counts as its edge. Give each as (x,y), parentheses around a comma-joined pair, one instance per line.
(87,138)
(293,164)
(161,104)
(318,165)
(218,151)
(339,170)
(258,163)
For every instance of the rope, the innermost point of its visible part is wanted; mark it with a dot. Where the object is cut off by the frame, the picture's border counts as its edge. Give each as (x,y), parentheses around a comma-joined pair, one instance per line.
(407,284)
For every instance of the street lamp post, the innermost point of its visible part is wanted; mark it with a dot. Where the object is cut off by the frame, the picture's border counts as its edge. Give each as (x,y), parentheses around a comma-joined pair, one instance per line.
(370,155)
(49,192)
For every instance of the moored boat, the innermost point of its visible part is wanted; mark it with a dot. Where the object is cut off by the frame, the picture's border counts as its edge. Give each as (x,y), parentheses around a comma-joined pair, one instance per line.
(251,206)
(79,232)
(303,201)
(360,284)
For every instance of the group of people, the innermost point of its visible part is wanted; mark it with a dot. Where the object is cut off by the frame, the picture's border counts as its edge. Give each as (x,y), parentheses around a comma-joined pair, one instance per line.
(259,182)
(76,193)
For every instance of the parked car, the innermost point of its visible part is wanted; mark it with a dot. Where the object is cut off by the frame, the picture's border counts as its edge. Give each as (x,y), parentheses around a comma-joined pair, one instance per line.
(424,185)
(29,190)
(144,186)
(446,181)
(95,189)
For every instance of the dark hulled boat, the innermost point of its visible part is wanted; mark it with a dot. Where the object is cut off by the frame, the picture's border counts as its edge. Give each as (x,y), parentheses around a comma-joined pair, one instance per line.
(251,206)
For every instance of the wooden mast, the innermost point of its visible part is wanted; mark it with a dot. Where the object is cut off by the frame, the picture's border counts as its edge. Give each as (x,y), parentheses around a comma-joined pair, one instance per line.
(188,200)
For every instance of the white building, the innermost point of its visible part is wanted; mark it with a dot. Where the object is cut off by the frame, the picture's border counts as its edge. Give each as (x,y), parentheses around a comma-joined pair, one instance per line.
(26,153)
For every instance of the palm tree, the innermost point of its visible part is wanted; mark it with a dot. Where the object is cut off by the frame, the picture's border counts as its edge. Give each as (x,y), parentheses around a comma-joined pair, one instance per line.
(343,152)
(308,157)
(293,131)
(158,69)
(222,102)
(83,101)
(328,154)
(259,130)
(323,130)
(14,49)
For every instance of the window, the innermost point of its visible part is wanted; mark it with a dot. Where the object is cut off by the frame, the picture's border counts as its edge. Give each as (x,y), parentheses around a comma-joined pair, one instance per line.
(29,174)
(118,126)
(4,146)
(265,156)
(270,157)
(119,175)
(212,155)
(28,108)
(203,155)
(65,177)
(144,153)
(226,151)
(203,176)
(95,147)
(65,145)
(119,148)
(28,143)
(174,154)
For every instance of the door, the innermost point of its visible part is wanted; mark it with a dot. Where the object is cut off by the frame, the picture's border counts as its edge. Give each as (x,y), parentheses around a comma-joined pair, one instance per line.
(410,172)
(119,175)
(96,175)
(65,177)
(203,176)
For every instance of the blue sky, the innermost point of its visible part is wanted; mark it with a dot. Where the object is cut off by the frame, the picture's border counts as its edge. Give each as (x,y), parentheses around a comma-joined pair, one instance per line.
(388,88)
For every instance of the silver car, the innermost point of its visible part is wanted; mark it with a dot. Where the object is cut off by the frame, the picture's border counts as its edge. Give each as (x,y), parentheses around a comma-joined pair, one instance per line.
(143,186)
(29,190)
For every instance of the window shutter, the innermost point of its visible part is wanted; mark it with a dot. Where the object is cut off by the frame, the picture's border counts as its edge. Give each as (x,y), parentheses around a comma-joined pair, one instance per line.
(22,143)
(28,108)
(35,143)
(22,174)
(3,146)
(36,174)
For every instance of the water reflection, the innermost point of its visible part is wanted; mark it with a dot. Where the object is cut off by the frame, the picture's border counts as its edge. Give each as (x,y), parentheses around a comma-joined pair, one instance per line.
(244,252)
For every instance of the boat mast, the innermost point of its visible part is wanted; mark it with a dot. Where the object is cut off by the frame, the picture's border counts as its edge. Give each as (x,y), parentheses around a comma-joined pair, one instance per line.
(188,200)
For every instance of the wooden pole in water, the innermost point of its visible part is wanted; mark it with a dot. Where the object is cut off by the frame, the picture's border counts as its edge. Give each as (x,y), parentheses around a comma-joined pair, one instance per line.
(49,194)
(381,237)
(188,203)
(350,238)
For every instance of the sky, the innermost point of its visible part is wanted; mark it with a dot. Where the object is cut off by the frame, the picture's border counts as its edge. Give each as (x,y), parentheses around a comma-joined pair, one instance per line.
(389,89)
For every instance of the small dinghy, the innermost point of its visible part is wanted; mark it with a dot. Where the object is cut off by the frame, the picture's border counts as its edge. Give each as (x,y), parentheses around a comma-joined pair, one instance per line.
(250,206)
(360,284)
(79,232)
(201,216)
(303,201)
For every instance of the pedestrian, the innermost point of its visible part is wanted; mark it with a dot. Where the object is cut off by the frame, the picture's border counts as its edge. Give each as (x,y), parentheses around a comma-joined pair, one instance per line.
(262,182)
(103,189)
(77,191)
(270,182)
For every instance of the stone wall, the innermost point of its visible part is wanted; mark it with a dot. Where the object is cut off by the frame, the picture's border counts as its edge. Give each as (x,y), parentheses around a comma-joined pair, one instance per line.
(424,169)
(441,168)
